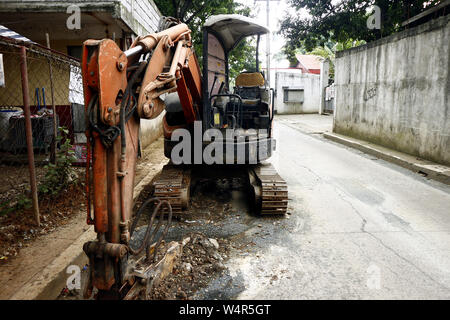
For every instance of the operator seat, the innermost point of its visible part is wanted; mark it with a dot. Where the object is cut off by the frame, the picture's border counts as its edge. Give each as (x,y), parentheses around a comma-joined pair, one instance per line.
(249,86)
(250,79)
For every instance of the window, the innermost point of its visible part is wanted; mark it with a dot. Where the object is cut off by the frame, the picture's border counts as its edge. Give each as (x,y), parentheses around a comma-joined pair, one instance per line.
(296,95)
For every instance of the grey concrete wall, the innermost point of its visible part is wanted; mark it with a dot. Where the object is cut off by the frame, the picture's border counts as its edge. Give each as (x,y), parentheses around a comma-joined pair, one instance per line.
(142,16)
(324,79)
(151,130)
(295,79)
(395,91)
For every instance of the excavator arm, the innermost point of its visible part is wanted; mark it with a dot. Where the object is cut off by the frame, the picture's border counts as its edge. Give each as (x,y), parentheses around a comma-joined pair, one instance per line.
(120,89)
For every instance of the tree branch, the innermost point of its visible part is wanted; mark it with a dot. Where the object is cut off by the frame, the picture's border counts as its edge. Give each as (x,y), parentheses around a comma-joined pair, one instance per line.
(196,13)
(185,8)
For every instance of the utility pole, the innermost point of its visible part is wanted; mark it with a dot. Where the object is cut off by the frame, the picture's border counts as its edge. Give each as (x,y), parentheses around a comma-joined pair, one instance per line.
(268,37)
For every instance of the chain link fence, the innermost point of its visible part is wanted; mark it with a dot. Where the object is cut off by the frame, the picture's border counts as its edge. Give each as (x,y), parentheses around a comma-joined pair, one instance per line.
(57,120)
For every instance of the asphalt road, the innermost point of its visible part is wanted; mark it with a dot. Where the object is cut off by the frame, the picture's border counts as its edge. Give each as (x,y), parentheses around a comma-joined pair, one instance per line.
(360,228)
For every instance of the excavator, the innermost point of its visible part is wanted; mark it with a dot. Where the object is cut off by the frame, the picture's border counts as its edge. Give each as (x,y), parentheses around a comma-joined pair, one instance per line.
(160,73)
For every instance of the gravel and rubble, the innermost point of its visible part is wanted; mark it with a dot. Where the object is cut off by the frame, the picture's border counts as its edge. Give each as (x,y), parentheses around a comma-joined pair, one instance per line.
(215,226)
(201,261)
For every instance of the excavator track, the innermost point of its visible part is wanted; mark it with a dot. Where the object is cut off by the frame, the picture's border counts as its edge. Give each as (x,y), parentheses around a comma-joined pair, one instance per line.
(271,192)
(173,185)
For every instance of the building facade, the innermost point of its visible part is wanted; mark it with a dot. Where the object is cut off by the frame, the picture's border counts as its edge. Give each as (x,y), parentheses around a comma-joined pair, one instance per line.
(121,20)
(67,25)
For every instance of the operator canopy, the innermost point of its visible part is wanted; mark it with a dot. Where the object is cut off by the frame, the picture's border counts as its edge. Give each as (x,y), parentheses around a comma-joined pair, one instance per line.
(232,28)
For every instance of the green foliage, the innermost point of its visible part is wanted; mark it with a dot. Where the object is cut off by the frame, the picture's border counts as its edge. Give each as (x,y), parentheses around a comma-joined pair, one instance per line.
(196,12)
(61,174)
(242,58)
(343,20)
(327,51)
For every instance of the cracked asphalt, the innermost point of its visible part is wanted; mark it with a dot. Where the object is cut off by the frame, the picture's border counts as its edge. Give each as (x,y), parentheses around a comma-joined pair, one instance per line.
(359,228)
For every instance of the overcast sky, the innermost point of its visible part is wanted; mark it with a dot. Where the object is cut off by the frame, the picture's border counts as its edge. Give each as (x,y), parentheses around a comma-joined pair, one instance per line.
(277,14)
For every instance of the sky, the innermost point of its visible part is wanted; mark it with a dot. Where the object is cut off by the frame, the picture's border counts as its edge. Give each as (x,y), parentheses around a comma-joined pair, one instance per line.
(277,10)
(277,13)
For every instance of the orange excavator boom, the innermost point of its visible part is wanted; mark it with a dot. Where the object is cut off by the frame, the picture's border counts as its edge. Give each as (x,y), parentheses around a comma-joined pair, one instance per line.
(120,88)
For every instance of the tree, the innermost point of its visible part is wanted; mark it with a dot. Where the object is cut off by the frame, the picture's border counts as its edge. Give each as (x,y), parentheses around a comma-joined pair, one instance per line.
(195,13)
(343,20)
(329,49)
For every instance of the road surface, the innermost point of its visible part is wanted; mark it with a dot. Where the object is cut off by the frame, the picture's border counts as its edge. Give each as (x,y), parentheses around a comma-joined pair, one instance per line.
(360,228)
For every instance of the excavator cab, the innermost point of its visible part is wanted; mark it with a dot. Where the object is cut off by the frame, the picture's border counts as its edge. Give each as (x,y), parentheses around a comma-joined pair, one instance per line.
(234,117)
(246,110)
(248,105)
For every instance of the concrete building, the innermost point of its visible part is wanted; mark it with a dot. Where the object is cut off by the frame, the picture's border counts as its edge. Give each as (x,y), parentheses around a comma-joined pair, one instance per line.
(298,92)
(395,92)
(121,20)
(309,63)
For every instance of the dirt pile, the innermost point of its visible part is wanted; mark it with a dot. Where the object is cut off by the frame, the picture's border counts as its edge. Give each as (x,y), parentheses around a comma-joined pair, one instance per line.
(201,260)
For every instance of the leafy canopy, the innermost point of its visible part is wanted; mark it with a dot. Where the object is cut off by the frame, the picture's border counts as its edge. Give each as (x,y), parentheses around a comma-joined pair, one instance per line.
(343,20)
(328,51)
(195,13)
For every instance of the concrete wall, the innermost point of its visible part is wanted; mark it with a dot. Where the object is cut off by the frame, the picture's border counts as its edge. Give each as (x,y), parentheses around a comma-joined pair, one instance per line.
(324,79)
(295,79)
(151,130)
(141,16)
(395,92)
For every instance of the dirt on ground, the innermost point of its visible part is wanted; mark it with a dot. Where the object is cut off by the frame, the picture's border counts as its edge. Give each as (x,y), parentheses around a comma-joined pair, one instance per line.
(212,196)
(16,185)
(18,228)
(201,260)
(25,249)
(216,195)
(17,224)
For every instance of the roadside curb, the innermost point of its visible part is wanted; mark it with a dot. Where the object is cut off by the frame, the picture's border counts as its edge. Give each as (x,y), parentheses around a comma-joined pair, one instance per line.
(432,170)
(47,285)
